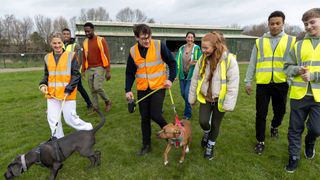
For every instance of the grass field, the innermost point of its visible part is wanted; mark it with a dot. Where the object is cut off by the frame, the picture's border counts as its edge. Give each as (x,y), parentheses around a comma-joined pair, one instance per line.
(24,126)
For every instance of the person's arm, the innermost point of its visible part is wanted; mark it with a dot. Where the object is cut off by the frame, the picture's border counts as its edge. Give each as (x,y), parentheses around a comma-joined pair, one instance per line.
(291,67)
(168,58)
(131,70)
(75,76)
(44,80)
(232,86)
(251,67)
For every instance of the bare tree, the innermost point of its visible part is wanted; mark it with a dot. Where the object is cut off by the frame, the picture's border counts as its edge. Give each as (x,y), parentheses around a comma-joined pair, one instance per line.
(72,22)
(98,14)
(151,20)
(8,28)
(129,15)
(256,30)
(59,24)
(44,27)
(293,30)
(26,29)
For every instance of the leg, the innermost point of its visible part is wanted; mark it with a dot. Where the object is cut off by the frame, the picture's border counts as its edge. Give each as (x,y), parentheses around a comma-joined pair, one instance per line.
(54,170)
(84,93)
(279,101)
(205,113)
(216,119)
(183,154)
(144,109)
(91,78)
(71,117)
(165,155)
(313,126)
(54,117)
(156,103)
(262,103)
(298,115)
(98,84)
(187,109)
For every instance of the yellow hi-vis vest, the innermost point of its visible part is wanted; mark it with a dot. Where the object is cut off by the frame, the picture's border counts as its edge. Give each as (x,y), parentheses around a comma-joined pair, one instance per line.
(69,47)
(224,65)
(59,75)
(151,70)
(104,58)
(270,64)
(307,56)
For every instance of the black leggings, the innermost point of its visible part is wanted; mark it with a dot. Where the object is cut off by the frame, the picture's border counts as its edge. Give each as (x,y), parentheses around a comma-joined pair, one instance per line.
(209,114)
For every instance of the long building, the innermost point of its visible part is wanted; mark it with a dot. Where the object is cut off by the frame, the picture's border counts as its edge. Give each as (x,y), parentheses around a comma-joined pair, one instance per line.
(120,37)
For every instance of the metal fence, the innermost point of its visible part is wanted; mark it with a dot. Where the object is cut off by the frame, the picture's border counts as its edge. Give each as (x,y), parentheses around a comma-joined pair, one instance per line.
(21,60)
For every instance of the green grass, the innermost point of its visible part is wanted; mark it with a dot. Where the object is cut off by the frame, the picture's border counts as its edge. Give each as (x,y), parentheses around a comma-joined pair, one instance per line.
(24,126)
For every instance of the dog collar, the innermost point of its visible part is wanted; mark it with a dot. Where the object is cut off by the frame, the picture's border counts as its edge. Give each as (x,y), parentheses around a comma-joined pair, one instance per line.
(23,162)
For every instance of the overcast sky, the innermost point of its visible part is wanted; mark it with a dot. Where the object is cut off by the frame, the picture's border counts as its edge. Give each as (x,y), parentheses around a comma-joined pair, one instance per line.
(206,12)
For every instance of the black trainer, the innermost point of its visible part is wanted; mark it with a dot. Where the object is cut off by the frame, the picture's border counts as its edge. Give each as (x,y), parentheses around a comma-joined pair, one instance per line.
(259,148)
(208,153)
(292,165)
(274,132)
(144,150)
(309,151)
(204,140)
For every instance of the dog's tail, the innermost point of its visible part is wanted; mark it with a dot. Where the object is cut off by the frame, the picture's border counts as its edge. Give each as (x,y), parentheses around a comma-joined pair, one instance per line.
(103,120)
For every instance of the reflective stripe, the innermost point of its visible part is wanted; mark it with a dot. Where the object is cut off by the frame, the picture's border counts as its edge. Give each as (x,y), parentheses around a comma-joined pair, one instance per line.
(311,63)
(57,84)
(315,86)
(269,70)
(299,53)
(299,84)
(264,59)
(288,45)
(261,48)
(150,64)
(156,44)
(151,75)
(133,52)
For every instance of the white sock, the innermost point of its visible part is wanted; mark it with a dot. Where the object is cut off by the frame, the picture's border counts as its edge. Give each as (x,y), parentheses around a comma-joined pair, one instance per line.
(212,143)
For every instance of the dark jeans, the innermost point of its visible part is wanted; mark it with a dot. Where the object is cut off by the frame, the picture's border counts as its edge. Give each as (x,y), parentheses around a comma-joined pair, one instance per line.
(210,119)
(151,108)
(184,89)
(278,93)
(84,93)
(300,110)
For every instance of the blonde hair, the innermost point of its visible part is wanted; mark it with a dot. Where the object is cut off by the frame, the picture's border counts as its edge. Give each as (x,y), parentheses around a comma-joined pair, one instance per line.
(312,13)
(217,41)
(56,35)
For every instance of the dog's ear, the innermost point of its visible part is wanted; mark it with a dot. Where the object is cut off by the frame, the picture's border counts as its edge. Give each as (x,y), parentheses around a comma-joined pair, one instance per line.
(15,168)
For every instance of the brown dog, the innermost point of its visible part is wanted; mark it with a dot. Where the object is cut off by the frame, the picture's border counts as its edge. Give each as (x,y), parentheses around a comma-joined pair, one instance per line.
(177,136)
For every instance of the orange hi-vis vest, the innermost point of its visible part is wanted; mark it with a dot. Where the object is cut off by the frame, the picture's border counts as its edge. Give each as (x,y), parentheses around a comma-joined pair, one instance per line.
(104,58)
(59,75)
(151,71)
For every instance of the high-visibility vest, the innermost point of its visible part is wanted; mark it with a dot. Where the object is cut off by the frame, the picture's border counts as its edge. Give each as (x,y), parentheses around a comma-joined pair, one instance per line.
(104,58)
(59,75)
(269,67)
(69,47)
(151,70)
(224,65)
(307,56)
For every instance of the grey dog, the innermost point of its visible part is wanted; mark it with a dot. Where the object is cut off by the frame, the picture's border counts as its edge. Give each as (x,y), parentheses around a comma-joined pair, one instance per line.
(51,154)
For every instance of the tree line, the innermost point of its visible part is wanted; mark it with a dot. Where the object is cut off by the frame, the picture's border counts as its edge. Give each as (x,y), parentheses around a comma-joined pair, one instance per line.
(31,35)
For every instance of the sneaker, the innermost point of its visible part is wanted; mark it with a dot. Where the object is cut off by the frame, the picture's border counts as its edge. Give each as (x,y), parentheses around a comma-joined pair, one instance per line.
(108,105)
(208,153)
(274,132)
(292,165)
(204,140)
(309,151)
(259,148)
(144,150)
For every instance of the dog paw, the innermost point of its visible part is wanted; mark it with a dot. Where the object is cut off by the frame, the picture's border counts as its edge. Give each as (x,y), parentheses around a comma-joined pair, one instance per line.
(181,161)
(166,163)
(187,149)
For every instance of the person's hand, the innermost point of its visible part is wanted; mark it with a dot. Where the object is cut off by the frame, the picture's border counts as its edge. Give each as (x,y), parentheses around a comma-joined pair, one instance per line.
(306,76)
(248,89)
(108,76)
(302,70)
(83,76)
(175,79)
(167,84)
(192,62)
(129,95)
(44,89)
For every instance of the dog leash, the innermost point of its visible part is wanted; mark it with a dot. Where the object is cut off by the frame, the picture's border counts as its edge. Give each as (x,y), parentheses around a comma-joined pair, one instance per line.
(60,112)
(177,121)
(132,103)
